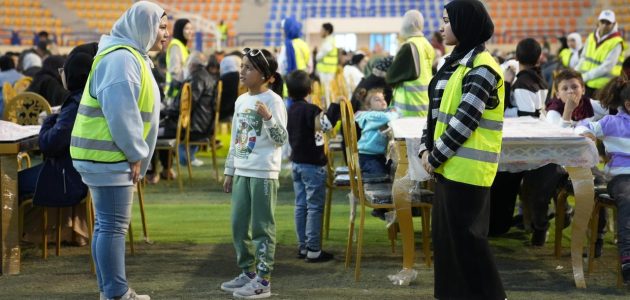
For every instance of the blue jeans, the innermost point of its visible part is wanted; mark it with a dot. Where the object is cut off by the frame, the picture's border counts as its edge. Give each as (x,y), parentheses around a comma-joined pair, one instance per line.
(112,206)
(182,153)
(619,189)
(309,186)
(373,164)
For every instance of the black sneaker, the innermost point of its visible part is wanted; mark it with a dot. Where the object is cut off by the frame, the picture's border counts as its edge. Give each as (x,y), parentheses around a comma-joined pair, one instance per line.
(379,213)
(323,257)
(301,255)
(539,237)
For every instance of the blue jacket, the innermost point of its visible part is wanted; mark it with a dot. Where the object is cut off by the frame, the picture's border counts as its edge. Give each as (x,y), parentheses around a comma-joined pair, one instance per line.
(59,184)
(372,141)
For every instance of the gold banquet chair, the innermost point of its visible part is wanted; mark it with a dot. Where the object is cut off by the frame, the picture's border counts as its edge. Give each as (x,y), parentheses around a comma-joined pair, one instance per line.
(25,108)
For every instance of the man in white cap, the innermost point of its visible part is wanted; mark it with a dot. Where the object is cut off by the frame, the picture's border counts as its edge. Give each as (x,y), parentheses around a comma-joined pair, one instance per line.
(602,55)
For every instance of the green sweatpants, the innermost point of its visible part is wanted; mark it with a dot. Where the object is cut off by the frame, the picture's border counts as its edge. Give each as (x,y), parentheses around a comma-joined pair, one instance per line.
(254,201)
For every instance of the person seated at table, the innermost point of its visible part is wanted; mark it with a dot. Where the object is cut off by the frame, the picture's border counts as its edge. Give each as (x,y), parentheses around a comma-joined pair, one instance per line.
(56,183)
(570,103)
(529,90)
(306,124)
(47,82)
(372,119)
(614,131)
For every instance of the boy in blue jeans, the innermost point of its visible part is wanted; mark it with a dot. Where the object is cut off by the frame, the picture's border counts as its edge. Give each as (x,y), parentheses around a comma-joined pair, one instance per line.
(306,124)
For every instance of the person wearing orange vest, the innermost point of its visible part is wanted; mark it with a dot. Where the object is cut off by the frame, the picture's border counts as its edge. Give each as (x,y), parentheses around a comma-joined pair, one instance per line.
(115,133)
(602,56)
(460,148)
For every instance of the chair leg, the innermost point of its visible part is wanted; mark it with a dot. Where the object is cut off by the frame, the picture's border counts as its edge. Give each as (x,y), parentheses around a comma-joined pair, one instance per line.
(130,233)
(189,164)
(560,208)
(90,225)
(327,209)
(392,235)
(59,224)
(142,213)
(357,267)
(213,149)
(591,250)
(349,243)
(426,235)
(45,233)
(179,173)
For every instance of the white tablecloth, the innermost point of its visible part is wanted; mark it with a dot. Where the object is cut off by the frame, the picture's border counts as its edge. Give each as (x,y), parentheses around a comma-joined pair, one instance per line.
(10,132)
(528,144)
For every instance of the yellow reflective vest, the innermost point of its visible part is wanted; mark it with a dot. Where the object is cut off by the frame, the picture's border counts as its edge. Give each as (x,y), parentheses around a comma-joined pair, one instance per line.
(565,57)
(329,63)
(594,57)
(91,139)
(411,98)
(477,160)
(185,54)
(302,54)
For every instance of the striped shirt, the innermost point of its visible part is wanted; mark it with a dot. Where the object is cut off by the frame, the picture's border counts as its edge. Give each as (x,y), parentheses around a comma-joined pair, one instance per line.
(479,88)
(614,131)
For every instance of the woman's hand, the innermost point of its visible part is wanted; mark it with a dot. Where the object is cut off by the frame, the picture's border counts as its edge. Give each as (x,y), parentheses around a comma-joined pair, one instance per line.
(263,111)
(135,171)
(227,184)
(425,163)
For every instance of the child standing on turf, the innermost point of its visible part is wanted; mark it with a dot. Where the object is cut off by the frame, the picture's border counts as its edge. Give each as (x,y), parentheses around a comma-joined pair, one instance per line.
(251,173)
(305,125)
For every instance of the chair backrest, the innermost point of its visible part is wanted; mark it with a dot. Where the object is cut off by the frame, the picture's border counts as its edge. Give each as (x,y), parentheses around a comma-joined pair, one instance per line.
(25,108)
(8,92)
(352,152)
(185,106)
(316,94)
(22,84)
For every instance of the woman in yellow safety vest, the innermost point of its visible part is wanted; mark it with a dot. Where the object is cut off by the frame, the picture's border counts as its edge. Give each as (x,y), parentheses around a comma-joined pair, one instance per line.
(177,55)
(115,132)
(461,146)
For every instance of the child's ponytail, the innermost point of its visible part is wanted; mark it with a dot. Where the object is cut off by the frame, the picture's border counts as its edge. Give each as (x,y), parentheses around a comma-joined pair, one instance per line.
(277,86)
(615,93)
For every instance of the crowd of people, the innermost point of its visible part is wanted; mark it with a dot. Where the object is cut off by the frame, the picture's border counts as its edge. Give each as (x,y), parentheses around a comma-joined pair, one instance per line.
(116,101)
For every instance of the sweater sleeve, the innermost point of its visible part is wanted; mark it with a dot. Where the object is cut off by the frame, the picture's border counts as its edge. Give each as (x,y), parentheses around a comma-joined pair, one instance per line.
(175,64)
(276,127)
(400,70)
(606,66)
(477,88)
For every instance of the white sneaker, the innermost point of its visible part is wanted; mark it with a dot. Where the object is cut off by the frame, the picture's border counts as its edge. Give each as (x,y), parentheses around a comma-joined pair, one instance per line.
(236,283)
(131,295)
(196,163)
(101,296)
(253,290)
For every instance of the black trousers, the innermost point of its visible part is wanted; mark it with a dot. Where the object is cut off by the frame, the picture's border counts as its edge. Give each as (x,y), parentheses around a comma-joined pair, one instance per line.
(464,265)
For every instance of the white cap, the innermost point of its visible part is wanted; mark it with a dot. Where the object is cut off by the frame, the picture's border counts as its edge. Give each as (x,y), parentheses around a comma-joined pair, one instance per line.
(607,15)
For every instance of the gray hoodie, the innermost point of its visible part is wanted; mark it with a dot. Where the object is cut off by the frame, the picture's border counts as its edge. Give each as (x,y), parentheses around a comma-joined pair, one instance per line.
(115,84)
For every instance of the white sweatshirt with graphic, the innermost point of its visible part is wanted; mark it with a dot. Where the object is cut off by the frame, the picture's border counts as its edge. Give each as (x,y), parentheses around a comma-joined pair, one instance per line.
(255,145)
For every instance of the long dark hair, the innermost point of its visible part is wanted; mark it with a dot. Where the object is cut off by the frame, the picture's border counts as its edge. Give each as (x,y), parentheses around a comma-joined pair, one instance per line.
(178,30)
(267,66)
(615,93)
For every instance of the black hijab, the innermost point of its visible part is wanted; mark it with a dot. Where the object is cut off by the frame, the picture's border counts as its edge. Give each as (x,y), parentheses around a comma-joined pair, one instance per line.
(178,30)
(78,65)
(470,23)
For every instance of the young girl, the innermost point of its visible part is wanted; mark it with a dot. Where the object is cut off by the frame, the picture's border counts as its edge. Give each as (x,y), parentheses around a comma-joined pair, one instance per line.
(372,144)
(251,172)
(614,131)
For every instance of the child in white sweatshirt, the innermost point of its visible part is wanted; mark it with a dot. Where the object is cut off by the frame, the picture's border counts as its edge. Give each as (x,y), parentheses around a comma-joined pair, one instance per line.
(251,173)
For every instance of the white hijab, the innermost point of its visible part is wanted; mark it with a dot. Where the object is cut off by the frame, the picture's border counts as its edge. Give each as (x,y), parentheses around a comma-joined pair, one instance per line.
(578,40)
(139,24)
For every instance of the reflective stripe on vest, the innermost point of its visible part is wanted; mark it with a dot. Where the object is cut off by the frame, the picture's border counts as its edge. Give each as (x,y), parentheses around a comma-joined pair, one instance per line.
(185,54)
(91,138)
(594,56)
(302,54)
(565,56)
(329,63)
(411,98)
(477,160)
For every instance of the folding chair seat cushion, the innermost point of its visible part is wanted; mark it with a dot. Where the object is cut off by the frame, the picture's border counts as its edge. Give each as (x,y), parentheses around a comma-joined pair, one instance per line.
(341,170)
(165,143)
(378,193)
